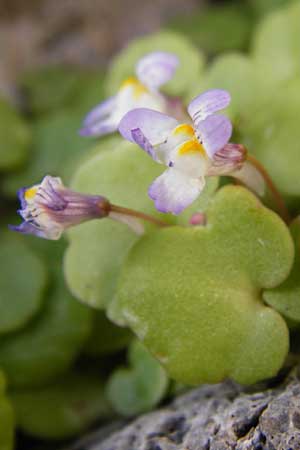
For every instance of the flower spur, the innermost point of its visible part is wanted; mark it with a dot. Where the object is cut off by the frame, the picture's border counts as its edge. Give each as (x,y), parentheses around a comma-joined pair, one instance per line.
(190,151)
(152,71)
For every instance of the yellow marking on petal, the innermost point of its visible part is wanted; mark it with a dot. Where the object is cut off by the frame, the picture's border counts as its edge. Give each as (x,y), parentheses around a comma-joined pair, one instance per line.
(138,88)
(191,146)
(30,193)
(184,129)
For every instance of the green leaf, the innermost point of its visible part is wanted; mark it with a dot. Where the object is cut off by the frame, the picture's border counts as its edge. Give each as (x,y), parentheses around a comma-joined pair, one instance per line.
(52,88)
(23,279)
(286,297)
(106,337)
(247,84)
(15,138)
(217,29)
(7,418)
(188,72)
(277,43)
(48,345)
(97,249)
(122,172)
(140,388)
(56,150)
(193,295)
(273,135)
(64,409)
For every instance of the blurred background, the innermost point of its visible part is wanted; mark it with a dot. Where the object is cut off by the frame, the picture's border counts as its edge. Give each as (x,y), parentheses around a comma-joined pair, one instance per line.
(64,368)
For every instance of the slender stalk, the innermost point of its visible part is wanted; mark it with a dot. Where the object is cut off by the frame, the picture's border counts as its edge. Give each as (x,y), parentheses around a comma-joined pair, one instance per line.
(138,215)
(282,209)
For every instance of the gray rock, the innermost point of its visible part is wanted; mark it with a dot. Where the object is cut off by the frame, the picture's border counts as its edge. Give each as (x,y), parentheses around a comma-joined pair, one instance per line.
(220,417)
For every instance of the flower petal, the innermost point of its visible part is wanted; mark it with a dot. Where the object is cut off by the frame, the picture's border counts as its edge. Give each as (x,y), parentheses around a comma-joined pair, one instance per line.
(214,133)
(156,68)
(173,191)
(100,111)
(208,103)
(99,128)
(29,228)
(150,130)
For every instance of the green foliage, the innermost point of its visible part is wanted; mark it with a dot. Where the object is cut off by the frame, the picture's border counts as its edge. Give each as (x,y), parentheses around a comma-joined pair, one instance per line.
(49,343)
(193,295)
(122,172)
(106,338)
(286,297)
(139,388)
(97,248)
(246,82)
(51,88)
(273,135)
(56,147)
(277,42)
(15,138)
(63,409)
(23,278)
(217,28)
(189,70)
(7,418)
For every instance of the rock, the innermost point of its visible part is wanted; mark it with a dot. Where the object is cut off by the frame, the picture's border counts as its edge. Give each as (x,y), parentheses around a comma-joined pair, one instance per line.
(220,417)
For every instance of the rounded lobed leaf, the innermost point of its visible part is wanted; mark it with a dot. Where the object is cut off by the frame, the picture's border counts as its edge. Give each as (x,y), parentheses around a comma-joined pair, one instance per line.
(194,295)
(23,279)
(49,343)
(277,42)
(139,388)
(286,297)
(97,249)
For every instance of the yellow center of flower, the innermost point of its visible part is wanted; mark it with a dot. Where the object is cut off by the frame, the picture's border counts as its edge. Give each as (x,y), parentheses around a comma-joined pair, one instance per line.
(30,193)
(138,88)
(192,145)
(184,129)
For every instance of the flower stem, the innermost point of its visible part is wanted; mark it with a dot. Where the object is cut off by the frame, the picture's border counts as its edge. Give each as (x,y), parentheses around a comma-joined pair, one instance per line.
(282,209)
(138,215)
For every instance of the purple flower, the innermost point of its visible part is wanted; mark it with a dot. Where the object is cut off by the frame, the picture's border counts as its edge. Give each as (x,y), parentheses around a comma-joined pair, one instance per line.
(152,71)
(190,151)
(49,208)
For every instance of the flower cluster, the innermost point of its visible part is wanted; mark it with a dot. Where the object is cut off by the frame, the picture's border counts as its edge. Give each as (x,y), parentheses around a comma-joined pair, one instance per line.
(193,150)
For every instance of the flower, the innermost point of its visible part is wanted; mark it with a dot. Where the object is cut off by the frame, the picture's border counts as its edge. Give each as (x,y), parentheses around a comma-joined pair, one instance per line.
(49,208)
(152,71)
(190,151)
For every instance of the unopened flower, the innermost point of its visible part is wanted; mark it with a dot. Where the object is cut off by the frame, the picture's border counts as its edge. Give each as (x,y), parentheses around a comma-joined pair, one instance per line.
(49,208)
(190,151)
(142,90)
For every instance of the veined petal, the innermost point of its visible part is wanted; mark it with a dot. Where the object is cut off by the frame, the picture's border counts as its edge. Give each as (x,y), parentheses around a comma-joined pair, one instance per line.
(228,160)
(214,133)
(173,191)
(207,104)
(29,228)
(155,69)
(150,130)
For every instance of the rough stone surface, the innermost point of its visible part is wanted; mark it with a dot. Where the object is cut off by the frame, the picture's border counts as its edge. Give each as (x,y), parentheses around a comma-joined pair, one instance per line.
(220,417)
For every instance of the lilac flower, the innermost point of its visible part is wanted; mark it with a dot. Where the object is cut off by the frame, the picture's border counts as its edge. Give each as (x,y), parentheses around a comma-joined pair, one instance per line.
(190,151)
(49,208)
(152,71)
